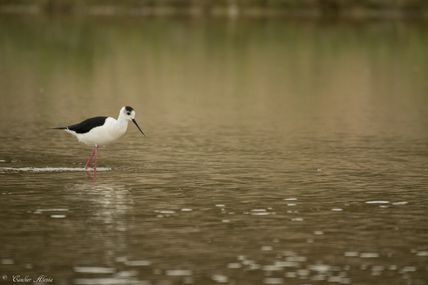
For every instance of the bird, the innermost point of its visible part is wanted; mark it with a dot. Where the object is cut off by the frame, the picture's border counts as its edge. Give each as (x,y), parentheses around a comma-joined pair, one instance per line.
(101,130)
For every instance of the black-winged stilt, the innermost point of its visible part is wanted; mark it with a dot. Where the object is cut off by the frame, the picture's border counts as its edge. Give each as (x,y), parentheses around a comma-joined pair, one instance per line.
(100,130)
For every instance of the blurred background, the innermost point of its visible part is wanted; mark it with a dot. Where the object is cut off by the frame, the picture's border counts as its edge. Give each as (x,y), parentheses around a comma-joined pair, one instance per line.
(231,8)
(286,142)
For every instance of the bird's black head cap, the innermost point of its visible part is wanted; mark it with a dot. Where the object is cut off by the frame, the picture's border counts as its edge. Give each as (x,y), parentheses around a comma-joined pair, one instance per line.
(129,109)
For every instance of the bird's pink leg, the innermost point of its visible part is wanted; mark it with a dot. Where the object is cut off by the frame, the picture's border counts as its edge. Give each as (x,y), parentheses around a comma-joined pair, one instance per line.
(95,160)
(89,159)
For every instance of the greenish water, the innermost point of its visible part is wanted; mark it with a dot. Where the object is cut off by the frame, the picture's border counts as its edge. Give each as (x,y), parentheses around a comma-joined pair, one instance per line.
(277,152)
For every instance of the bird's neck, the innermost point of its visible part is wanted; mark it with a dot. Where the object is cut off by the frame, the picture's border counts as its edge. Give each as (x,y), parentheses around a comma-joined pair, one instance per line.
(121,120)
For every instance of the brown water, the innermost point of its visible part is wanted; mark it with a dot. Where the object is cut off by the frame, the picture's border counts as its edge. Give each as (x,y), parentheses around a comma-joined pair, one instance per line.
(276,152)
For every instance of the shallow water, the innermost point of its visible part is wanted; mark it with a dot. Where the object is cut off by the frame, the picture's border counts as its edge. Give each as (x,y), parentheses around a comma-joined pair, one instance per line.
(276,152)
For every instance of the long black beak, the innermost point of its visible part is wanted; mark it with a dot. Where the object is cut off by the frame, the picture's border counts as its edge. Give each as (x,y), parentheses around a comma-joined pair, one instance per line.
(135,122)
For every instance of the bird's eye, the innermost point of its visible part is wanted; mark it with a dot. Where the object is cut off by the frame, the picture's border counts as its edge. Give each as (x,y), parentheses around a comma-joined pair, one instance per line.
(128,113)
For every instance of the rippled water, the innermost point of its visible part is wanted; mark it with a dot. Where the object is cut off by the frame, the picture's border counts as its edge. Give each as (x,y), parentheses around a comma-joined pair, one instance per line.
(276,152)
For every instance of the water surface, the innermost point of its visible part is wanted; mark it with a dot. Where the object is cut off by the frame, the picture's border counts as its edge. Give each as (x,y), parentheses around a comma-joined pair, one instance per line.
(276,152)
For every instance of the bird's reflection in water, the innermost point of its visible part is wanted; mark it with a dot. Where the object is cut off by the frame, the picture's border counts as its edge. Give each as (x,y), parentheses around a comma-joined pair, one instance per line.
(104,203)
(105,208)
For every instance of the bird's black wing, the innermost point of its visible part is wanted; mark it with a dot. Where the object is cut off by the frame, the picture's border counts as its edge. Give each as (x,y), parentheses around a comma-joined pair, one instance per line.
(87,125)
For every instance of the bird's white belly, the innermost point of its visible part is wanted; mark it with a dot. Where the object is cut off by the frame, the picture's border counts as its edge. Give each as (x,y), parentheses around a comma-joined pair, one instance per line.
(102,135)
(99,136)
